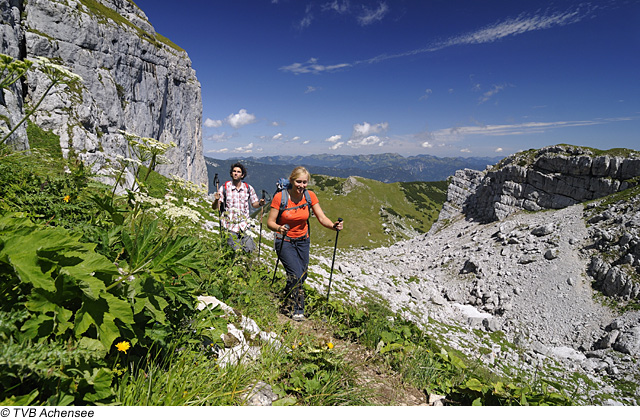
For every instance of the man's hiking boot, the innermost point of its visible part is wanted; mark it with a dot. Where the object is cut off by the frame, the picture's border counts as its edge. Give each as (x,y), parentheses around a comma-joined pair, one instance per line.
(298,317)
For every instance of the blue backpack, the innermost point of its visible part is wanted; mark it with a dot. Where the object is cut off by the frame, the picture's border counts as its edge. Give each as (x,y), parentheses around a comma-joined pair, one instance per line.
(283,186)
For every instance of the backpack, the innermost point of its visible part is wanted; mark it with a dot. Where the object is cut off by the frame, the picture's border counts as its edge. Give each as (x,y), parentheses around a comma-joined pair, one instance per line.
(223,204)
(283,185)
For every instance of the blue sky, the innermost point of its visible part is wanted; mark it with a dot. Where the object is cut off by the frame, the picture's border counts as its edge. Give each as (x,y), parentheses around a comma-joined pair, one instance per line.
(439,77)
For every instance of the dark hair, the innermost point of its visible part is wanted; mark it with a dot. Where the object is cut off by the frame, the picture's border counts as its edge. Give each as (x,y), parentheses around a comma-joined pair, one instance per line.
(238,165)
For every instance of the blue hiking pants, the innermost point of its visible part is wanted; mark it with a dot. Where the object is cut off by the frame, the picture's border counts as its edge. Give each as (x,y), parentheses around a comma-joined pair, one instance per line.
(294,255)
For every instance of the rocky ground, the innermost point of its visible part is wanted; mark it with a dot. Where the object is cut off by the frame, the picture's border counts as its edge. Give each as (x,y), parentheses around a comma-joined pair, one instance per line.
(525,276)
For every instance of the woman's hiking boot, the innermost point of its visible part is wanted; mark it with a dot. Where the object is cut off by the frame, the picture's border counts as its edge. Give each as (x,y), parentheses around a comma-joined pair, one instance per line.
(298,303)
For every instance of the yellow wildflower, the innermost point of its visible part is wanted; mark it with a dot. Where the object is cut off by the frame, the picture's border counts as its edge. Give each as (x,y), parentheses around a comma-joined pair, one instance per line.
(330,345)
(123,346)
(67,198)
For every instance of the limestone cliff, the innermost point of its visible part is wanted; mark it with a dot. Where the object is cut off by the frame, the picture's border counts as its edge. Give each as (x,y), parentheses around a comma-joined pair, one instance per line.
(553,177)
(132,79)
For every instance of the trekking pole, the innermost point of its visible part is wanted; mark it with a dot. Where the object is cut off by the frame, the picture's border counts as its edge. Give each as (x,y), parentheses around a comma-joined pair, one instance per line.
(215,181)
(333,260)
(260,237)
(275,270)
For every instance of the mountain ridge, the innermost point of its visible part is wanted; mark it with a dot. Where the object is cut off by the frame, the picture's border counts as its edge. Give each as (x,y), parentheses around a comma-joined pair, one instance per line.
(386,167)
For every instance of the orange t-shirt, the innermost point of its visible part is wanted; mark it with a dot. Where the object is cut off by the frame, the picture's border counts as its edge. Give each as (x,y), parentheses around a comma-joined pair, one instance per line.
(296,218)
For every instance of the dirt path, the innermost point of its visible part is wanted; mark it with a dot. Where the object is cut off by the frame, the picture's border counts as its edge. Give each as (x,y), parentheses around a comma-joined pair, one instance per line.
(384,386)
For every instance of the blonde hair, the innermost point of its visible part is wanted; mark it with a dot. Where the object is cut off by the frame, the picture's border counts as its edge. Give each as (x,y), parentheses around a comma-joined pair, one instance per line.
(298,172)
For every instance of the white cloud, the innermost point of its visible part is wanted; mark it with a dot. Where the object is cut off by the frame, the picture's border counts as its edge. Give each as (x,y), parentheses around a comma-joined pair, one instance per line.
(366,141)
(306,142)
(296,138)
(244,149)
(277,136)
(310,89)
(365,129)
(216,151)
(312,66)
(240,119)
(337,145)
(370,16)
(212,123)
(334,139)
(427,145)
(465,150)
(218,138)
(498,150)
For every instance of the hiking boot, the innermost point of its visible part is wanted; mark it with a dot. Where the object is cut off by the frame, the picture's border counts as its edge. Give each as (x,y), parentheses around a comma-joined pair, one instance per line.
(298,317)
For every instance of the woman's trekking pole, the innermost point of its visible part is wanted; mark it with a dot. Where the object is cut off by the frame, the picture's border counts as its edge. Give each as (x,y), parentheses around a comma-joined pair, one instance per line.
(275,270)
(260,237)
(215,181)
(333,260)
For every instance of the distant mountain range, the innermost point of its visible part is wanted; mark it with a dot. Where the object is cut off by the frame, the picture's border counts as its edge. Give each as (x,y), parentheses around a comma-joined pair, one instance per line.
(263,172)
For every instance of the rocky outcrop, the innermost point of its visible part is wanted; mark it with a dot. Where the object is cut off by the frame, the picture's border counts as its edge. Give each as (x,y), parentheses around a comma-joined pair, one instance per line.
(132,80)
(554,177)
(615,251)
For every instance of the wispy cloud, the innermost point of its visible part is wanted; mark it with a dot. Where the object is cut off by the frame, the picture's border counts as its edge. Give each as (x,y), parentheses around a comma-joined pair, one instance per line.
(312,66)
(337,6)
(519,25)
(454,134)
(307,19)
(493,91)
(370,16)
(426,95)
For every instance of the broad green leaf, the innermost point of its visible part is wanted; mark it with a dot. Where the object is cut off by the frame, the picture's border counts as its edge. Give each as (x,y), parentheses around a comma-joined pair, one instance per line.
(37,302)
(97,313)
(288,401)
(101,380)
(38,328)
(83,273)
(474,385)
(93,345)
(156,305)
(120,309)
(107,330)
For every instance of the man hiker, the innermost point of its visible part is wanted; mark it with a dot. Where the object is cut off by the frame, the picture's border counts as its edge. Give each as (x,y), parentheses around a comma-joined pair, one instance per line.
(233,199)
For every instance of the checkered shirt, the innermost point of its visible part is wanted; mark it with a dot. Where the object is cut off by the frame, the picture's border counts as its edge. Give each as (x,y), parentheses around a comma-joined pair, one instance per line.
(236,212)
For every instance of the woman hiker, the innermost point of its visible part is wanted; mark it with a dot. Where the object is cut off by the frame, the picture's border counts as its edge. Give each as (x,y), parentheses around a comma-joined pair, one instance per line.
(292,237)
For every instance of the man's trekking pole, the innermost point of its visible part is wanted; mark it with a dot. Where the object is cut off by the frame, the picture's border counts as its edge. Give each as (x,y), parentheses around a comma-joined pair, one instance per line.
(215,181)
(260,237)
(333,260)
(275,270)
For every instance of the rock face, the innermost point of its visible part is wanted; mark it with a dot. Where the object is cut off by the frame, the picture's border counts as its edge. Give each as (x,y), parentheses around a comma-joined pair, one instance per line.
(132,80)
(554,177)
